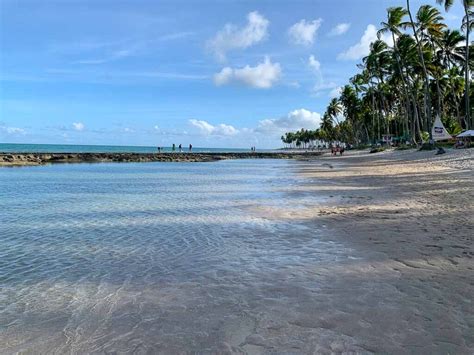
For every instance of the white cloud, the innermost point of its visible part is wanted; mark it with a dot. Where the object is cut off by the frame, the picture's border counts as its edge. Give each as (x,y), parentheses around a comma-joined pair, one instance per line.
(206,129)
(12,130)
(362,48)
(104,52)
(122,53)
(323,87)
(232,37)
(336,92)
(294,84)
(451,17)
(294,120)
(314,63)
(224,76)
(340,29)
(78,126)
(262,76)
(304,32)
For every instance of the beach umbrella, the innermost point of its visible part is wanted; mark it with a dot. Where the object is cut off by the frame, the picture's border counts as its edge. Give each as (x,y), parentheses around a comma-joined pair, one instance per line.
(469,133)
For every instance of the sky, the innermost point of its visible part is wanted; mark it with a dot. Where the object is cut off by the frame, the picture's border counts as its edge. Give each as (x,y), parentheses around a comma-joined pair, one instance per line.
(211,73)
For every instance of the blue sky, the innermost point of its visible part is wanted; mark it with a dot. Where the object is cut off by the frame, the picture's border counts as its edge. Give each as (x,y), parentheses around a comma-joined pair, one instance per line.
(211,73)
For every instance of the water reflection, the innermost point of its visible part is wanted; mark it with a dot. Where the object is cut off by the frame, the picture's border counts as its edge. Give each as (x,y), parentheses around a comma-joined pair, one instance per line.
(151,257)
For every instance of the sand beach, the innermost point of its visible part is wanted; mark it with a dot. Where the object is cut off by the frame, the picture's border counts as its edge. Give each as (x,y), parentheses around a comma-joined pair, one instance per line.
(408,217)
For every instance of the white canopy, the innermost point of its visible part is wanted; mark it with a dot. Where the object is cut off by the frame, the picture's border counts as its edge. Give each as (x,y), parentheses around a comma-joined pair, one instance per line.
(469,133)
(438,132)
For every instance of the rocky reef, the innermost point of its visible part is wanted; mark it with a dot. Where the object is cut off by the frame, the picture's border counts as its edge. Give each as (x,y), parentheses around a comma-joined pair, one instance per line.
(12,159)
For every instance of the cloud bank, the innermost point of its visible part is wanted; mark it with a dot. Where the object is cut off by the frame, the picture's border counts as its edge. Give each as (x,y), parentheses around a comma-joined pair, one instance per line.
(206,129)
(11,130)
(294,120)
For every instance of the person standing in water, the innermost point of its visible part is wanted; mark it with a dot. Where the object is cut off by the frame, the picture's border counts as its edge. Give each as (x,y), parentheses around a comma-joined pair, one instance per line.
(190,147)
(173,148)
(180,148)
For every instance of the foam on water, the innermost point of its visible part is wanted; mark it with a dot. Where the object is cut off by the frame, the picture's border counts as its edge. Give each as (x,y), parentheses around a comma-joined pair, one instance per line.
(156,257)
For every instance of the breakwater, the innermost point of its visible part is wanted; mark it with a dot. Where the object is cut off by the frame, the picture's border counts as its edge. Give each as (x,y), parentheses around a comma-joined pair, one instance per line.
(11,159)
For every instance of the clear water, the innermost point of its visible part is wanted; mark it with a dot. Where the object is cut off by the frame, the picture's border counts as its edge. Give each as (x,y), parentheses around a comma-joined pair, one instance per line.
(67,148)
(150,258)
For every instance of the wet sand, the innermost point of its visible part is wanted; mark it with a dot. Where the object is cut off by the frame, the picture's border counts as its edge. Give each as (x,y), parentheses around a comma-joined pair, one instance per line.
(408,218)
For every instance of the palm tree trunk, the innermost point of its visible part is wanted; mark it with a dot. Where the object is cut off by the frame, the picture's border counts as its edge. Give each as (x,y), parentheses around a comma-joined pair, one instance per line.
(466,69)
(427,98)
(402,75)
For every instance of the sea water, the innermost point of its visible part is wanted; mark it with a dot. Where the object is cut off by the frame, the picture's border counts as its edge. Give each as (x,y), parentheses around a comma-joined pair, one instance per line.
(151,257)
(70,148)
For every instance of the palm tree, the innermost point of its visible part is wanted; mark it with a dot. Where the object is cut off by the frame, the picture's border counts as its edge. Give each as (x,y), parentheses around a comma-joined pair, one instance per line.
(467,5)
(450,54)
(394,24)
(334,109)
(392,92)
(427,98)
(379,64)
(430,29)
(327,127)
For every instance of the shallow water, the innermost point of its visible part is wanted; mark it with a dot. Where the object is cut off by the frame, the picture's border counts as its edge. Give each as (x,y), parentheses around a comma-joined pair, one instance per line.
(155,257)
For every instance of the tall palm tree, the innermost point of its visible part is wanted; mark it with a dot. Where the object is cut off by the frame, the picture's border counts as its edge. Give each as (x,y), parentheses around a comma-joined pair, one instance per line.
(450,55)
(427,97)
(395,16)
(430,27)
(467,5)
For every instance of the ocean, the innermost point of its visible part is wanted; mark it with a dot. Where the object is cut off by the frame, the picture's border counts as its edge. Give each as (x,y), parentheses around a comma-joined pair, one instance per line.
(152,257)
(67,148)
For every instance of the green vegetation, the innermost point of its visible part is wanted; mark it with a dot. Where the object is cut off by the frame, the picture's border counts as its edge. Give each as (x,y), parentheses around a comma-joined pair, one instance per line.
(377,149)
(417,69)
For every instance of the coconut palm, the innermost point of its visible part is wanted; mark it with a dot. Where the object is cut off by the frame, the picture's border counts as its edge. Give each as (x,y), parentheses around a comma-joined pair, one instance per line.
(334,109)
(427,96)
(467,26)
(430,29)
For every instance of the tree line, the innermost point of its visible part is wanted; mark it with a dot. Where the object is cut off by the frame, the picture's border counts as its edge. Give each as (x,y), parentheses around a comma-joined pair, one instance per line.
(416,70)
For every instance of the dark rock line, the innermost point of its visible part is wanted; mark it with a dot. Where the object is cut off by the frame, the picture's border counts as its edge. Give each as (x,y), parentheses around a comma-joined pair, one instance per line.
(47,158)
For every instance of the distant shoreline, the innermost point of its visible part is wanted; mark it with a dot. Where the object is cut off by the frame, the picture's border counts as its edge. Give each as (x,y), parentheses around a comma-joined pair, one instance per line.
(25,159)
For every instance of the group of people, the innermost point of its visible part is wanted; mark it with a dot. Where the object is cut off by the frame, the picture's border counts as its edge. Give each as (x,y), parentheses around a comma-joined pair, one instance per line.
(337,149)
(173,148)
(253,149)
(460,144)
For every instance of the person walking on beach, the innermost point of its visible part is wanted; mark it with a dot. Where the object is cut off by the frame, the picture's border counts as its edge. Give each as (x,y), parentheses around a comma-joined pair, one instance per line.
(159,149)
(190,147)
(173,148)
